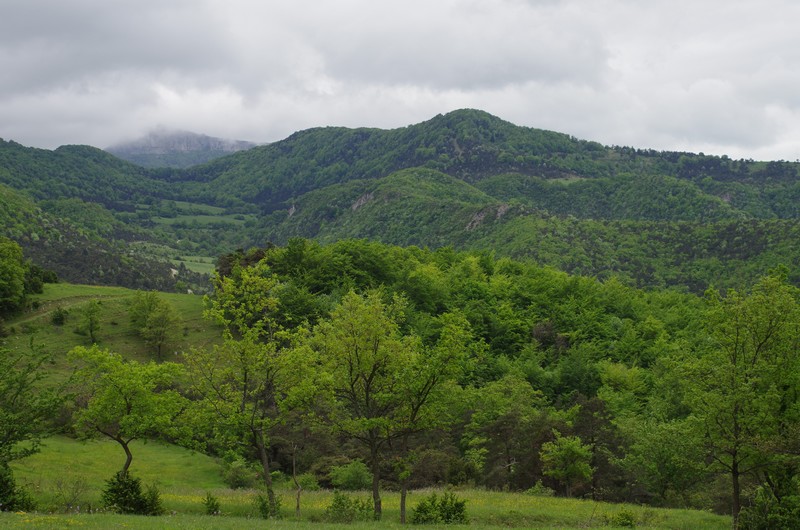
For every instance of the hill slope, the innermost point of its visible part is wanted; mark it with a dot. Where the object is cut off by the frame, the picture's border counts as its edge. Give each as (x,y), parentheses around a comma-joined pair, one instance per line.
(177,149)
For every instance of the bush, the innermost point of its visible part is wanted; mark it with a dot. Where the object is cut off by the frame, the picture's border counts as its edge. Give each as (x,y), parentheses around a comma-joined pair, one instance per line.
(59,316)
(445,510)
(767,512)
(239,475)
(12,497)
(623,518)
(267,509)
(540,490)
(211,505)
(344,509)
(308,481)
(352,476)
(123,494)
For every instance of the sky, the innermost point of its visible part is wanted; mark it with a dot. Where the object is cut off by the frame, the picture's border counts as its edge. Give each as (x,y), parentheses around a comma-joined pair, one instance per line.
(713,76)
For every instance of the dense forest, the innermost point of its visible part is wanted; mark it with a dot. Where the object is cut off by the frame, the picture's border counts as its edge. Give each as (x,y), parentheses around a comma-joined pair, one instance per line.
(411,368)
(465,179)
(460,302)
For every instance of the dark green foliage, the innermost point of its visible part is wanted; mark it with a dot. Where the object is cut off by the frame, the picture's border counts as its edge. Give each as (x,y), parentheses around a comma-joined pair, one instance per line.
(59,315)
(238,474)
(268,508)
(352,476)
(123,494)
(211,504)
(12,496)
(447,509)
(345,509)
(768,512)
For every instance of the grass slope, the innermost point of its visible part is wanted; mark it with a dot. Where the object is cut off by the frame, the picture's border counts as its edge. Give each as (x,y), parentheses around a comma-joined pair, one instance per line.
(115,330)
(68,468)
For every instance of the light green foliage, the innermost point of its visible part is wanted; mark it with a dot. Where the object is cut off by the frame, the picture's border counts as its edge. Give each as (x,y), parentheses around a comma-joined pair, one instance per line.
(742,390)
(124,400)
(447,509)
(345,509)
(90,319)
(155,319)
(567,460)
(26,403)
(352,476)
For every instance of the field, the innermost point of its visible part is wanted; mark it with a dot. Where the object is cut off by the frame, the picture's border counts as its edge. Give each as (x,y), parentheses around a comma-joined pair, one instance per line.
(115,331)
(69,474)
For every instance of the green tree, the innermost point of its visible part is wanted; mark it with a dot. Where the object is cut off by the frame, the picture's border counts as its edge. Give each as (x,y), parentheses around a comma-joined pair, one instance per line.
(743,391)
(567,459)
(26,406)
(90,319)
(366,359)
(12,276)
(154,319)
(124,400)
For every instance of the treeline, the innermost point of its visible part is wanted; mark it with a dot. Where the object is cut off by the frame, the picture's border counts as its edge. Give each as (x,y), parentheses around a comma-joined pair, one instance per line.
(444,367)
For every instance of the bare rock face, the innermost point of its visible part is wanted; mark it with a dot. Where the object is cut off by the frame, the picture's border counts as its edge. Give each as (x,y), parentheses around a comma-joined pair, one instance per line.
(165,148)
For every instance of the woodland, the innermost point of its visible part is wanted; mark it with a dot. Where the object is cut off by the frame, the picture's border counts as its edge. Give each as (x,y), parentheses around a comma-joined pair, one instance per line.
(453,306)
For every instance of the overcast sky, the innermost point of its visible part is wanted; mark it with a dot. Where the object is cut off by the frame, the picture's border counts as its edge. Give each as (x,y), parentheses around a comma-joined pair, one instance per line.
(718,76)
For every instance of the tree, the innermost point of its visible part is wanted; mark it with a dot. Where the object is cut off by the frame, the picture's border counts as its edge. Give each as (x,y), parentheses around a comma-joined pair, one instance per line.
(124,400)
(90,319)
(26,406)
(366,358)
(247,385)
(744,390)
(566,459)
(154,319)
(12,276)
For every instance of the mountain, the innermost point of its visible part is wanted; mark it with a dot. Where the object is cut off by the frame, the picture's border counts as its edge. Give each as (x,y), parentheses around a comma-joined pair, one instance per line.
(177,149)
(465,179)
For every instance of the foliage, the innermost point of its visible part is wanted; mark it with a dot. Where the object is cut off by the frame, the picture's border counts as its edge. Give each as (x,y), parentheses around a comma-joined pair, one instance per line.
(124,400)
(211,504)
(13,497)
(238,474)
(768,511)
(567,460)
(352,476)
(345,509)
(448,509)
(27,403)
(268,506)
(154,319)
(123,494)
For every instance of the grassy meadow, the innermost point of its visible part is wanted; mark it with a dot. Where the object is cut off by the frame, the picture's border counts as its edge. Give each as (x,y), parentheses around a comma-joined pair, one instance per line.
(115,331)
(67,476)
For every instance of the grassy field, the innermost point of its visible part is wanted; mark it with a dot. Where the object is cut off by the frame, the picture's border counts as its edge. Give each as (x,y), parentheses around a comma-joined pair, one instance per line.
(115,331)
(68,474)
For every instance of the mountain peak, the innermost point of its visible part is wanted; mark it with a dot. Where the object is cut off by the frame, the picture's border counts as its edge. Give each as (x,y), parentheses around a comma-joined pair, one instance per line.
(162,147)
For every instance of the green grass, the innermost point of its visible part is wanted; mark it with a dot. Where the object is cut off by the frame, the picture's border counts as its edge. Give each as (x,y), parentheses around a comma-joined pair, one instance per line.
(201,264)
(184,477)
(115,331)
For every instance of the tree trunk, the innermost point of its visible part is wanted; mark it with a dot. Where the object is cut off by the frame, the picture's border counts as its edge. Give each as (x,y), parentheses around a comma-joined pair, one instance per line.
(296,483)
(261,446)
(736,501)
(376,480)
(128,454)
(403,492)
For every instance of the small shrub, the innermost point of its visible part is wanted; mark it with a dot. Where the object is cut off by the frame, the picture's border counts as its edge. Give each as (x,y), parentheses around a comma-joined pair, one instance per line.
(344,509)
(239,475)
(69,492)
(623,518)
(13,497)
(211,504)
(123,494)
(445,510)
(540,490)
(267,509)
(352,476)
(59,316)
(308,481)
(768,512)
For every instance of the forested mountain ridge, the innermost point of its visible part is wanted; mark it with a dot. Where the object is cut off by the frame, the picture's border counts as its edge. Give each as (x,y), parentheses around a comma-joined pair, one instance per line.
(466,179)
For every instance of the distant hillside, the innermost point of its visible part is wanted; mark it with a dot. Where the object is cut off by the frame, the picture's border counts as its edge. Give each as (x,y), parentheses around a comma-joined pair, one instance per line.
(176,149)
(465,179)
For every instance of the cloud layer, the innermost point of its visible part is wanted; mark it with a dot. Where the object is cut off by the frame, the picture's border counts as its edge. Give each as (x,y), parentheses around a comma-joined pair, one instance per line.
(713,76)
